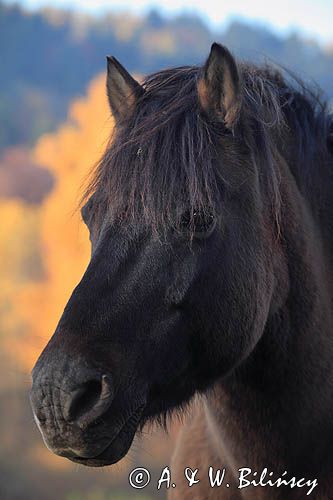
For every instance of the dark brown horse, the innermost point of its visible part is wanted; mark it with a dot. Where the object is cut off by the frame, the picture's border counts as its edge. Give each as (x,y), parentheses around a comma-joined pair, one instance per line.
(211,222)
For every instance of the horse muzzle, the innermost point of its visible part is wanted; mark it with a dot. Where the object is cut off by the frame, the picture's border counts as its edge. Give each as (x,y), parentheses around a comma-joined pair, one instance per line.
(81,417)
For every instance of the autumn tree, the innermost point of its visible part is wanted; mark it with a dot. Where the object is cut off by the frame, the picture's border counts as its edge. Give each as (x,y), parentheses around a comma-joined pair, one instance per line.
(69,154)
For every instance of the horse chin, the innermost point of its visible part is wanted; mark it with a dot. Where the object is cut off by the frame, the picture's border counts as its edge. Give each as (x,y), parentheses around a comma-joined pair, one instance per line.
(114,452)
(117,448)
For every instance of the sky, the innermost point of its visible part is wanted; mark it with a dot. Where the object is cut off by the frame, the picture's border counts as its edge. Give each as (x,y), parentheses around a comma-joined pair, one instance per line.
(313,18)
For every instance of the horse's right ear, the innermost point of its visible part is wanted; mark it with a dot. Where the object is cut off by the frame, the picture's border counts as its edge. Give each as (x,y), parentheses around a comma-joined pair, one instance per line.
(219,88)
(122,90)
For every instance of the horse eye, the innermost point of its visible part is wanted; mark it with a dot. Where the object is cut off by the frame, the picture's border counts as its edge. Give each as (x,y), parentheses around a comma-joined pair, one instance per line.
(201,223)
(86,211)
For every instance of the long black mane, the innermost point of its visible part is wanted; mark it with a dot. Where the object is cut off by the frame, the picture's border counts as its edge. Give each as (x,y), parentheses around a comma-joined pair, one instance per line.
(163,161)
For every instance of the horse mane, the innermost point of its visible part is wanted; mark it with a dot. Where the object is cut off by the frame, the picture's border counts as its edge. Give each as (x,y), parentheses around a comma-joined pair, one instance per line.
(162,162)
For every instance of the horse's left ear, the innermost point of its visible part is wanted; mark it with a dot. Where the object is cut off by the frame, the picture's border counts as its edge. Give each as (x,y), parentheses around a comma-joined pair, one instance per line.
(123,91)
(219,88)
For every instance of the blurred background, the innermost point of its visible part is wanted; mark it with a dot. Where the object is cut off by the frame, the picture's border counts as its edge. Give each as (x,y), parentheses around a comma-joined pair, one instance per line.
(54,124)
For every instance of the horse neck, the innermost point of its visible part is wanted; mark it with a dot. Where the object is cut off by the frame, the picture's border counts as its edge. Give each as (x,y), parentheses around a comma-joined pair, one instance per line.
(276,408)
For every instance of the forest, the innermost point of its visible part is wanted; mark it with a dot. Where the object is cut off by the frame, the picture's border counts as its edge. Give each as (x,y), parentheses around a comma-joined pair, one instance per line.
(49,56)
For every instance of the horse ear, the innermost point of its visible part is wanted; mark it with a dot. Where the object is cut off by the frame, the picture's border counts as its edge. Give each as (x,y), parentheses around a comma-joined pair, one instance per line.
(122,90)
(219,88)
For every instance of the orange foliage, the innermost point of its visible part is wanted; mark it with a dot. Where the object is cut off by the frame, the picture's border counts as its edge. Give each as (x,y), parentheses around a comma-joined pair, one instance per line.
(69,154)
(18,260)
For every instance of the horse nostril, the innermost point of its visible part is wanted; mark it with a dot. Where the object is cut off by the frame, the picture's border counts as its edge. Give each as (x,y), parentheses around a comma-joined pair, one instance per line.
(84,399)
(89,401)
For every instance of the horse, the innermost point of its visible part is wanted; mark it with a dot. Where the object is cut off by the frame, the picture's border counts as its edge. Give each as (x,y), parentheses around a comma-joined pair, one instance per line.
(209,289)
